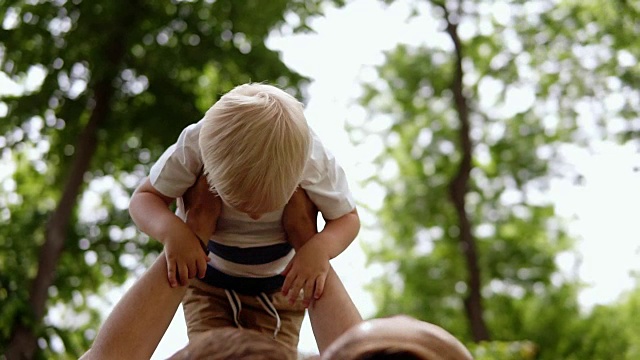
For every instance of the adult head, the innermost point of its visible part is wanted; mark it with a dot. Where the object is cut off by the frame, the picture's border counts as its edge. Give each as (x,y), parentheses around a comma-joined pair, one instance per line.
(397,337)
(233,344)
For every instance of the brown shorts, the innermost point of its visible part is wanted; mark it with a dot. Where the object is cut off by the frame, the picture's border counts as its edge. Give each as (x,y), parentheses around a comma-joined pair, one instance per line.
(207,307)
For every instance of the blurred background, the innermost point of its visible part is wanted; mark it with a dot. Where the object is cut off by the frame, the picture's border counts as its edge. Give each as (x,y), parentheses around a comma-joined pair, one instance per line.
(492,146)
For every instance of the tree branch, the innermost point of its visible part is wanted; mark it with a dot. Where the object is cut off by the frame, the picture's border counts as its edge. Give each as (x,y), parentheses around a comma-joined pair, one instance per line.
(458,188)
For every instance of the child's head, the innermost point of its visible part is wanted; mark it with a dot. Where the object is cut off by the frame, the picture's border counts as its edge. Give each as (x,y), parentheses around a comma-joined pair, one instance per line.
(255,143)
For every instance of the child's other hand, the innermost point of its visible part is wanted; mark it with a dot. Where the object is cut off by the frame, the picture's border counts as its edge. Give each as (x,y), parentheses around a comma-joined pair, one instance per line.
(185,259)
(307,271)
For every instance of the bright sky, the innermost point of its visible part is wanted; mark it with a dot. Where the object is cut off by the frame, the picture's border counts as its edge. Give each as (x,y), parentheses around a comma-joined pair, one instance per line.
(340,55)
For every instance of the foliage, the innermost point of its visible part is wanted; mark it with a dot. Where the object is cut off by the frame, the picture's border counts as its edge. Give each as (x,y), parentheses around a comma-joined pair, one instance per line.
(148,68)
(524,350)
(537,75)
(607,332)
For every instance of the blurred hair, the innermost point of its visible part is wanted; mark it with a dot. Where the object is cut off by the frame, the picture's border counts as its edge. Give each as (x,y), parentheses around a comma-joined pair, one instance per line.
(233,344)
(255,143)
(396,338)
(390,354)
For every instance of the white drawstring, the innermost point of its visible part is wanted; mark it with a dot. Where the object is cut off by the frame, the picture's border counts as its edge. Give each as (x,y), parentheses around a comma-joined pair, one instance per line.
(263,299)
(236,306)
(268,307)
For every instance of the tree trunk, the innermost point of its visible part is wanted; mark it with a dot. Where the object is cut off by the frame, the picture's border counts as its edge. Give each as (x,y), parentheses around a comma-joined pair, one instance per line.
(457,191)
(23,343)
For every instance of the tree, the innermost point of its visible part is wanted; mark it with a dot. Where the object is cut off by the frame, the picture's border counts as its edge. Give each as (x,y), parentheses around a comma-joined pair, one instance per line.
(115,81)
(604,332)
(478,117)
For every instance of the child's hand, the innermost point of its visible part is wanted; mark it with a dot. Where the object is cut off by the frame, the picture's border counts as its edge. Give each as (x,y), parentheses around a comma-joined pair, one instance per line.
(307,271)
(185,259)
(186,254)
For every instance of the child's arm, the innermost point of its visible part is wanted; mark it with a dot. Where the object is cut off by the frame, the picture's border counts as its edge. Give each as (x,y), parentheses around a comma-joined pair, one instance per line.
(183,251)
(338,233)
(308,269)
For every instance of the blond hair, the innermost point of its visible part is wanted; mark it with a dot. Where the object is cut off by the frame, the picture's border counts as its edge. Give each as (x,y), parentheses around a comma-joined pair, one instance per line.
(255,143)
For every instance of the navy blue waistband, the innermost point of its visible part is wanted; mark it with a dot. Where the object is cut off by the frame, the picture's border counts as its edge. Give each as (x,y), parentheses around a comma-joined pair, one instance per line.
(243,285)
(250,255)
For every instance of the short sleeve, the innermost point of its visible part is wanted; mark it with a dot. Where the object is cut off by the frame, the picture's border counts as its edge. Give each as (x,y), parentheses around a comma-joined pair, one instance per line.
(179,166)
(326,183)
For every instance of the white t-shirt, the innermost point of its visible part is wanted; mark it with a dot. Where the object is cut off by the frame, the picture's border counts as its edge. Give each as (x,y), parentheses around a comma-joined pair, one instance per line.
(241,246)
